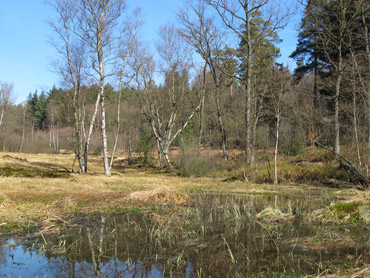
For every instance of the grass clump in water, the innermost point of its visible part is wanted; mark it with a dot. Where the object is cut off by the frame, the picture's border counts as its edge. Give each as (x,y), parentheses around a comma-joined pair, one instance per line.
(162,195)
(274,215)
(356,211)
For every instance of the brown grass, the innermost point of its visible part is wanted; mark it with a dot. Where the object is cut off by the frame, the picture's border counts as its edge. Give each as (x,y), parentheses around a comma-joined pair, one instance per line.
(162,195)
(40,202)
(270,214)
(355,273)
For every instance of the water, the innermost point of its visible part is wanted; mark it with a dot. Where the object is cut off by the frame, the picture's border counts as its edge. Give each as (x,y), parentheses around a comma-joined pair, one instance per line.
(218,237)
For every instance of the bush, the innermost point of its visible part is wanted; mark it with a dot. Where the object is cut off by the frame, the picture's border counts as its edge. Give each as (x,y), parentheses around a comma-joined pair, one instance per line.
(146,143)
(313,173)
(198,167)
(294,146)
(207,165)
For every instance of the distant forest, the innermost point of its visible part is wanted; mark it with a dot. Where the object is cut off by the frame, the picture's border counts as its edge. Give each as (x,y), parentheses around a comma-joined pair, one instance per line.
(116,95)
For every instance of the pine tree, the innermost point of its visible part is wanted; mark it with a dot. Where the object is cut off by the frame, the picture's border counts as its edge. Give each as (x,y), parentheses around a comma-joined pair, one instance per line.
(37,109)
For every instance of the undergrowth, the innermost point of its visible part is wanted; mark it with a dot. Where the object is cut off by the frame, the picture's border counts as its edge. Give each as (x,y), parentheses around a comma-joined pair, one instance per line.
(314,166)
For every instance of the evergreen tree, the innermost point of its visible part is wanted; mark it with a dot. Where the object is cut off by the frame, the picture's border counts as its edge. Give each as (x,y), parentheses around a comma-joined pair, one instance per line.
(37,109)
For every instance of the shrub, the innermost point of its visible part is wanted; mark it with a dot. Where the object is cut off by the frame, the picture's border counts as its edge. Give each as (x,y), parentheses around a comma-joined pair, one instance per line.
(294,146)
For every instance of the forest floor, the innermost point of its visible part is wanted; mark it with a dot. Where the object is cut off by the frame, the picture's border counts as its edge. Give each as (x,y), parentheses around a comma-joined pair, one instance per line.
(38,196)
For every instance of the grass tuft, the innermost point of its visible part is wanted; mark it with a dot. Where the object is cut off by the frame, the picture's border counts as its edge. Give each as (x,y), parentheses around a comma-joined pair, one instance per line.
(354,211)
(270,214)
(162,195)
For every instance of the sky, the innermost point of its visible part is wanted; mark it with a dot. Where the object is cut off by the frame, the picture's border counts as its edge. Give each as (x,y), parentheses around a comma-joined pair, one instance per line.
(26,54)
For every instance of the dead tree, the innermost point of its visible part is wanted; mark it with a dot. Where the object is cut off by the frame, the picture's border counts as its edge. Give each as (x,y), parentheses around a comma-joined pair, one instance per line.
(362,181)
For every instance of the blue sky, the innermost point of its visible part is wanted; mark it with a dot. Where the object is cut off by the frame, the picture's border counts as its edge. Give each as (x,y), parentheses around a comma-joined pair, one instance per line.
(25,54)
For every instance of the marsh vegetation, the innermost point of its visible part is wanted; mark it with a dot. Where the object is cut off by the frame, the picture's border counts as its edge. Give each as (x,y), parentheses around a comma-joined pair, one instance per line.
(151,223)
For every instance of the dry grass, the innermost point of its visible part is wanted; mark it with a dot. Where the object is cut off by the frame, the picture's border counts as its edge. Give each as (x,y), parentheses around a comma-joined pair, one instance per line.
(162,195)
(270,214)
(353,273)
(36,204)
(41,202)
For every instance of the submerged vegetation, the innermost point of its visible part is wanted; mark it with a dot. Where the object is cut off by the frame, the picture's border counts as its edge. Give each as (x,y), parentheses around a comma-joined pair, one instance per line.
(32,201)
(159,224)
(230,235)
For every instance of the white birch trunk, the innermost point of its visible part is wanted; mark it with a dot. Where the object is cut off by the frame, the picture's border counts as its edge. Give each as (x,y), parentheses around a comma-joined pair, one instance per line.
(355,131)
(91,128)
(23,127)
(336,114)
(276,144)
(2,117)
(104,133)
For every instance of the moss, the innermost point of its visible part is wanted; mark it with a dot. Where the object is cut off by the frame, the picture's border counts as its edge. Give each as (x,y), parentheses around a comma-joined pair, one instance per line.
(344,212)
(345,207)
(31,172)
(356,211)
(11,228)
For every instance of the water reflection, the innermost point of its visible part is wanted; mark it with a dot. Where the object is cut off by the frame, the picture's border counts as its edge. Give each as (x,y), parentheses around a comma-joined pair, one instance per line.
(218,237)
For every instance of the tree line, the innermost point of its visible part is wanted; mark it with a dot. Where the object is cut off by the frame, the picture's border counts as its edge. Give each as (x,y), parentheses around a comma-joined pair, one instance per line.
(213,81)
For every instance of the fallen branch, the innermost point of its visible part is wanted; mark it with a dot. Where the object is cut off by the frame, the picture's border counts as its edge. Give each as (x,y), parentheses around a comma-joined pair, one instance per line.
(347,165)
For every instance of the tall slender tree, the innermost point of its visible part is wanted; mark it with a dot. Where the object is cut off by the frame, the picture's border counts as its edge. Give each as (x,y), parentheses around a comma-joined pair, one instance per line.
(202,34)
(72,67)
(238,17)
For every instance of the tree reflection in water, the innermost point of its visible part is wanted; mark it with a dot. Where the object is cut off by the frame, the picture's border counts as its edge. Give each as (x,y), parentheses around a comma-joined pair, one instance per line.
(218,237)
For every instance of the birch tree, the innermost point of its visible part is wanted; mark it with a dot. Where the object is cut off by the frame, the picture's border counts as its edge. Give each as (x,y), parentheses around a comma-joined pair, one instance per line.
(279,84)
(24,110)
(72,67)
(97,26)
(359,48)
(125,70)
(6,91)
(162,106)
(332,40)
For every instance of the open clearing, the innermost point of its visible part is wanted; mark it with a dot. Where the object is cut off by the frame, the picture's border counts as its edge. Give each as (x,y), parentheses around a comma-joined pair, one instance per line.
(189,227)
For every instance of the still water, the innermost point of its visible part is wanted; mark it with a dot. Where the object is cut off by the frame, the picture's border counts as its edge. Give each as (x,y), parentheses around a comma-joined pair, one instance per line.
(218,237)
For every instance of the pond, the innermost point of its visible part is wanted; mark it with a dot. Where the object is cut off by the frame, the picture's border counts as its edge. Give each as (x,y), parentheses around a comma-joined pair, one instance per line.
(222,235)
